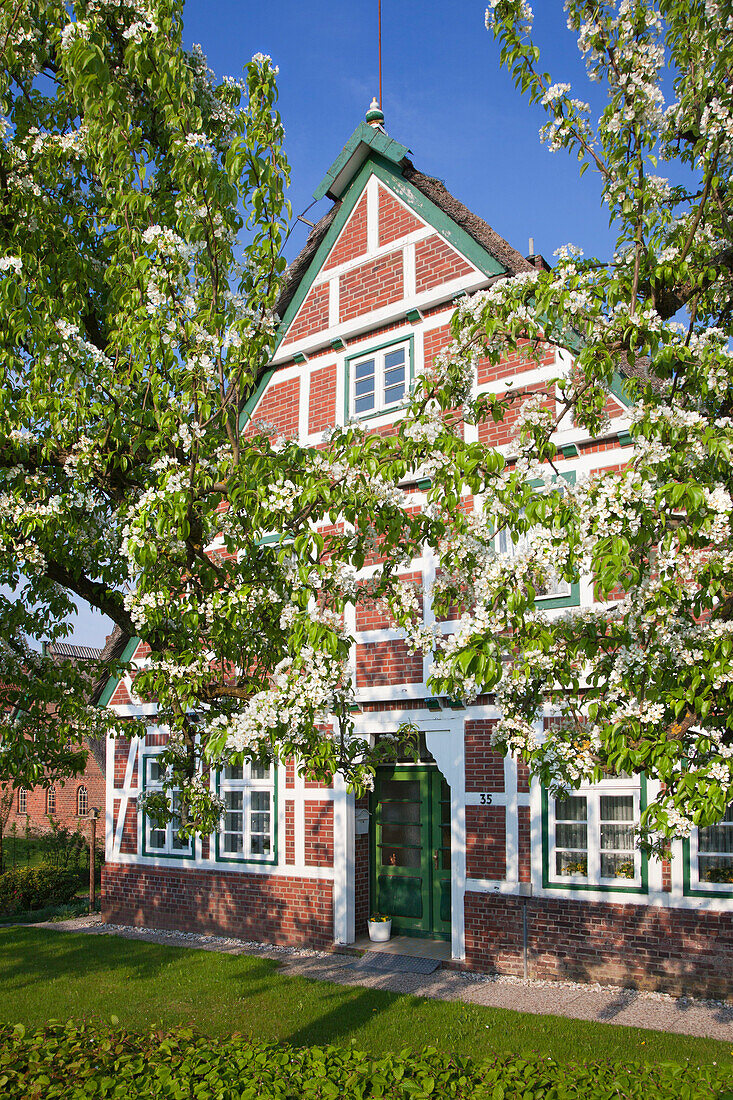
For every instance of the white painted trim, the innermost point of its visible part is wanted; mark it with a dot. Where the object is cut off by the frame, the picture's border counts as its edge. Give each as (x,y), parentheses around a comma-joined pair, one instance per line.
(375,252)
(409,270)
(511,821)
(333,302)
(495,886)
(268,871)
(372,211)
(298,793)
(304,396)
(125,794)
(109,805)
(385,315)
(498,798)
(343,864)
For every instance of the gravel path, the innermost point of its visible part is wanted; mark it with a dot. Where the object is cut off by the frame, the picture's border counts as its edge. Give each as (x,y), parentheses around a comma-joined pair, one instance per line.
(606,1004)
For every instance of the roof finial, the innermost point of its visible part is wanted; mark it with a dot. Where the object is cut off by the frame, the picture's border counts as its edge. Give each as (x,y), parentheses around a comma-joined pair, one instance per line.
(375,114)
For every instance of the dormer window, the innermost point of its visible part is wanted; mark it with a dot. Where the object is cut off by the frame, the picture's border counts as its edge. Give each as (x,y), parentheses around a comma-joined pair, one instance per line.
(379,380)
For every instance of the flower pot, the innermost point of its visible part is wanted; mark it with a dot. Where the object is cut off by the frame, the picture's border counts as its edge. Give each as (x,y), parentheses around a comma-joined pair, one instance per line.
(380,930)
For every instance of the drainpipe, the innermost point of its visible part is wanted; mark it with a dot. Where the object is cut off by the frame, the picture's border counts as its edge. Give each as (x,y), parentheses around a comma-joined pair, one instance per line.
(525,892)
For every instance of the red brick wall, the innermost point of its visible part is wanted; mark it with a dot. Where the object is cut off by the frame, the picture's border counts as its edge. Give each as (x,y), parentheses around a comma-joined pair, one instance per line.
(486,842)
(289,831)
(352,240)
(387,663)
(675,950)
(436,262)
(128,843)
(395,220)
(313,314)
(372,614)
(371,285)
(319,834)
(484,765)
(433,342)
(510,365)
(522,777)
(496,435)
(280,405)
(269,909)
(36,817)
(322,407)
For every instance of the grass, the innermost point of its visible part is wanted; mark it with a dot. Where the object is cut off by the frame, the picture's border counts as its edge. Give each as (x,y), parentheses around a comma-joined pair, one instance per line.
(54,975)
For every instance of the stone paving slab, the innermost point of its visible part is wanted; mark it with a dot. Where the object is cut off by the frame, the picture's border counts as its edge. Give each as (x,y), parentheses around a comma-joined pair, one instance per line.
(605,1004)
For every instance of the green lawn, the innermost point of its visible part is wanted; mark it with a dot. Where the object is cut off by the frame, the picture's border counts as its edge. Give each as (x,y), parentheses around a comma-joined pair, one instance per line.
(54,975)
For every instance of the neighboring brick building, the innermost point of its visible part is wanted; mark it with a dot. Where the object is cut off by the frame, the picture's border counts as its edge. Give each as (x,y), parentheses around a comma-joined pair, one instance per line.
(461,846)
(67,802)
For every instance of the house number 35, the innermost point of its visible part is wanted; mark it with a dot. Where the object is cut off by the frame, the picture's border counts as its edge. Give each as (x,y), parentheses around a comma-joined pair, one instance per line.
(485,799)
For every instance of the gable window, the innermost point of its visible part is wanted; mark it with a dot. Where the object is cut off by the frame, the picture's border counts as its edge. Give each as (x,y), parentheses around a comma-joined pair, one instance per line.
(22,800)
(82,801)
(247,829)
(554,591)
(379,380)
(711,856)
(51,801)
(163,840)
(590,838)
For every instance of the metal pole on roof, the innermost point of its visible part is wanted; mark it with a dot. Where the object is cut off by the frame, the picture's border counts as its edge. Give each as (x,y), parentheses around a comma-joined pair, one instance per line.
(379,39)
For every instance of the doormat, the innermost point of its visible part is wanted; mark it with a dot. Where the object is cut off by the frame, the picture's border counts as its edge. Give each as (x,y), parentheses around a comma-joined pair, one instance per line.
(385,963)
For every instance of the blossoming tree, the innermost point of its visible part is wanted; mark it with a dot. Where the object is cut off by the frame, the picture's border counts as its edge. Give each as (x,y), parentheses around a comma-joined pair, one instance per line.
(143,219)
(645,681)
(142,226)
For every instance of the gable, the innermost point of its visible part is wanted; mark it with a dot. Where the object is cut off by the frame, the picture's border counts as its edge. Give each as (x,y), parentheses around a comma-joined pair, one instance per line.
(388,249)
(117,691)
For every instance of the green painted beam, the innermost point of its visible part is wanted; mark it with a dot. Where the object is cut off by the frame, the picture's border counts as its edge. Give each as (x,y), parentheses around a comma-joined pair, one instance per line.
(113,681)
(371,138)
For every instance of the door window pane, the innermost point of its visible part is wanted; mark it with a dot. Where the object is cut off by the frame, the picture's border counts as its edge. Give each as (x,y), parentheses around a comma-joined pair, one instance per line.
(400,857)
(402,834)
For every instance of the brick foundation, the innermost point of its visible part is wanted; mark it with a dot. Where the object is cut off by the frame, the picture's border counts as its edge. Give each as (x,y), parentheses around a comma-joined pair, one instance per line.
(276,909)
(644,947)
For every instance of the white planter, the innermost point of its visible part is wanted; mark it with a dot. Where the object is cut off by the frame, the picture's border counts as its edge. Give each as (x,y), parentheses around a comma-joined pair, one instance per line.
(380,930)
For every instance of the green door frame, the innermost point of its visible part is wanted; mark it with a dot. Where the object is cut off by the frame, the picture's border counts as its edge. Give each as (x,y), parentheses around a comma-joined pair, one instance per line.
(432,877)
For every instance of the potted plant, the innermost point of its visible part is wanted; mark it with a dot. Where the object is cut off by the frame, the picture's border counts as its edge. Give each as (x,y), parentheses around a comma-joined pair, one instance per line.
(380,927)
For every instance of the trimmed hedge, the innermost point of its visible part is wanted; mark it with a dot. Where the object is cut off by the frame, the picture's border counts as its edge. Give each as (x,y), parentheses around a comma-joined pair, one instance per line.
(72,1062)
(27,888)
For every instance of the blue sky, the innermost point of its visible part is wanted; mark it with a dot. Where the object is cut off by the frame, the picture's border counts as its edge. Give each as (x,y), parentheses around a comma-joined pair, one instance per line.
(445,97)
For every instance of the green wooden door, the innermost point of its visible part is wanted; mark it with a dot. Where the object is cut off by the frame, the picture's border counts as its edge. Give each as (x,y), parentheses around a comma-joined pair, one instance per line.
(410,850)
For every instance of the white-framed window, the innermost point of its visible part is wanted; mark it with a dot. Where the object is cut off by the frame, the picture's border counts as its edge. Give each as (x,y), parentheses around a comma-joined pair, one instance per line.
(379,380)
(506,546)
(247,828)
(711,855)
(82,801)
(591,835)
(51,801)
(22,800)
(163,839)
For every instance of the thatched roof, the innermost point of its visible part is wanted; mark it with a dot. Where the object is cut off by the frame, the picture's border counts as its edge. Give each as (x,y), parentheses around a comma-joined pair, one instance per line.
(476,227)
(114,647)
